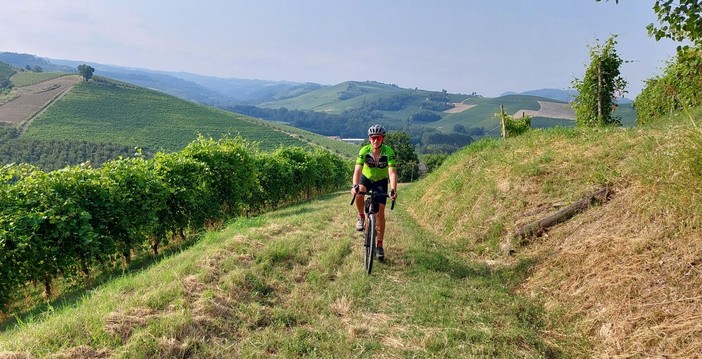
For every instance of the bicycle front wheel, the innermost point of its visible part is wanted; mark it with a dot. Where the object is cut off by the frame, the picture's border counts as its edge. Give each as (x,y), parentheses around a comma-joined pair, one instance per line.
(369,244)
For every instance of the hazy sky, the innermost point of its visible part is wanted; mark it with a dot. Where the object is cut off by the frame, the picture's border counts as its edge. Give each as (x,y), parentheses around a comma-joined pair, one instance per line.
(462,46)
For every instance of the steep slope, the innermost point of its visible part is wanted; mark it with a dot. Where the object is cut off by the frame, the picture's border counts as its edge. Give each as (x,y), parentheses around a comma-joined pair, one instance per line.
(627,272)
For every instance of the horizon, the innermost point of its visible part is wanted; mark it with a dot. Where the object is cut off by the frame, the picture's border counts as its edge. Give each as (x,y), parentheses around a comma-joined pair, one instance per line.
(460,47)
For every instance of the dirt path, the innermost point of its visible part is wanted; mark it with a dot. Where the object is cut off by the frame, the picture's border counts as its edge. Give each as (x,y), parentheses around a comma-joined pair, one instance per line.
(549,110)
(31,100)
(459,107)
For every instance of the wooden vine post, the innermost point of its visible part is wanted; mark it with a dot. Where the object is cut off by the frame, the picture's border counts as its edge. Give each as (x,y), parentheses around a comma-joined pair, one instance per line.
(502,121)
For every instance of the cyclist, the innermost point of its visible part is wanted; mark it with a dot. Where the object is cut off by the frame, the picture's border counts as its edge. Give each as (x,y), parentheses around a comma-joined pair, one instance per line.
(375,170)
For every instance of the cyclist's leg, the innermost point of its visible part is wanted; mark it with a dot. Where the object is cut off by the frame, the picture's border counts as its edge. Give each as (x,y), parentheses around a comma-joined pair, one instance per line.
(381,224)
(364,185)
(359,200)
(382,186)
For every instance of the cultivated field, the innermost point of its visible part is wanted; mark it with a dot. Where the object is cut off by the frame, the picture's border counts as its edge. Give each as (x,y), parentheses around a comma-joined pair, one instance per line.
(459,107)
(25,102)
(549,110)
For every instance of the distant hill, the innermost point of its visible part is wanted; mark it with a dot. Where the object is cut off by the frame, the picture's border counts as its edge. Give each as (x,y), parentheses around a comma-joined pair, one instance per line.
(115,115)
(558,95)
(348,108)
(207,90)
(554,94)
(24,61)
(134,116)
(396,106)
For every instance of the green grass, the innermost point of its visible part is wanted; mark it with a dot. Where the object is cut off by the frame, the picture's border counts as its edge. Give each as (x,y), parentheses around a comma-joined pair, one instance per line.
(291,284)
(27,78)
(98,112)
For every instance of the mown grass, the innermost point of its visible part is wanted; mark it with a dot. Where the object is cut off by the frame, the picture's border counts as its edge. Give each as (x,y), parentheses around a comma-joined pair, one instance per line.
(291,284)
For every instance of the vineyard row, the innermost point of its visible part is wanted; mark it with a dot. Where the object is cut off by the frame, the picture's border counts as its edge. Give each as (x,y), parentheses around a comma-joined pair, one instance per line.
(67,222)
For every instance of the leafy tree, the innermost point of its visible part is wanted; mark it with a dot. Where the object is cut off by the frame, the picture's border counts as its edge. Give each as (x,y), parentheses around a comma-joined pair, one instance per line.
(597,91)
(86,71)
(424,116)
(406,159)
(514,126)
(679,20)
(679,87)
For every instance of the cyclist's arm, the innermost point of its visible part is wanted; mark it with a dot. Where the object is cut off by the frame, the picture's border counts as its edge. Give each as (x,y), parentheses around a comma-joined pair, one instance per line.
(392,175)
(358,169)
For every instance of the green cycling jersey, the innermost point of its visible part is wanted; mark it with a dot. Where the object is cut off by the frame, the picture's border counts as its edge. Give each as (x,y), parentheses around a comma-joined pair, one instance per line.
(372,169)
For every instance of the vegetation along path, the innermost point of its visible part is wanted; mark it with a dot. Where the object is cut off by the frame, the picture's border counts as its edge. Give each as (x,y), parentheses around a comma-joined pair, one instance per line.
(291,283)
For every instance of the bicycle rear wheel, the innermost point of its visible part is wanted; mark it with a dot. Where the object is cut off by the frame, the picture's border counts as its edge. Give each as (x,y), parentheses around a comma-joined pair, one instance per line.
(369,244)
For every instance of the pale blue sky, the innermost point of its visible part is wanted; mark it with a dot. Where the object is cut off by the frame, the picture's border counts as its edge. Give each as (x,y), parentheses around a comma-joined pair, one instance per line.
(462,46)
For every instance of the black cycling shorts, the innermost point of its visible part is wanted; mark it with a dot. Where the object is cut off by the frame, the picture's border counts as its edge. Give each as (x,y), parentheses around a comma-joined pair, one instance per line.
(381,186)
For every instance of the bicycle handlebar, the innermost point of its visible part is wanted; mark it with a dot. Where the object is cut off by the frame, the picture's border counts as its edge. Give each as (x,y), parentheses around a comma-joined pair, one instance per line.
(372,194)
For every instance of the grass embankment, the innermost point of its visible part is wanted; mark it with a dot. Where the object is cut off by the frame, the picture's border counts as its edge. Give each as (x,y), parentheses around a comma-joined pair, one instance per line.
(626,273)
(290,283)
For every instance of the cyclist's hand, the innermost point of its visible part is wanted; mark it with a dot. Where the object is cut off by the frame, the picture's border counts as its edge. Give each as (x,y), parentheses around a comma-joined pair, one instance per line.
(354,190)
(393,194)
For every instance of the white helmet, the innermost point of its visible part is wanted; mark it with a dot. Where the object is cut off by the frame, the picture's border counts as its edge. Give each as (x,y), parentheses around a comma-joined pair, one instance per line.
(376,130)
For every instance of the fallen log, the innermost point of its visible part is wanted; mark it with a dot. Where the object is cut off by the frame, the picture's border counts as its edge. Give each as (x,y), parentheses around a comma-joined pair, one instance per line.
(535,229)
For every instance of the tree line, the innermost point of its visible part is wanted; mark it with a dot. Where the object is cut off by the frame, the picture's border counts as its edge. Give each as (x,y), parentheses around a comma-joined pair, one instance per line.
(66,223)
(353,123)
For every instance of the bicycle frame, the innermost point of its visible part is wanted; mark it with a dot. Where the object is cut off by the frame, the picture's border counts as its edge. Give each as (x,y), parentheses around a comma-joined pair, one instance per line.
(370,208)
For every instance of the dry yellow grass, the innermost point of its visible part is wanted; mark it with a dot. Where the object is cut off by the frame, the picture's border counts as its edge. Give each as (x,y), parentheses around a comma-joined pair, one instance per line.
(628,273)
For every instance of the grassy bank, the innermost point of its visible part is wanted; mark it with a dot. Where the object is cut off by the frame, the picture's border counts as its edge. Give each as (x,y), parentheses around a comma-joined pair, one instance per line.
(626,272)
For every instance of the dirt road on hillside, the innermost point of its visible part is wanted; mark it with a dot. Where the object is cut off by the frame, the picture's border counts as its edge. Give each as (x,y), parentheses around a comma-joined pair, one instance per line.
(459,107)
(549,110)
(28,101)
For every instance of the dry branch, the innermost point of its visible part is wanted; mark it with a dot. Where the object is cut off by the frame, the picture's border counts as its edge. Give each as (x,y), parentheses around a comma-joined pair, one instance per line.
(539,227)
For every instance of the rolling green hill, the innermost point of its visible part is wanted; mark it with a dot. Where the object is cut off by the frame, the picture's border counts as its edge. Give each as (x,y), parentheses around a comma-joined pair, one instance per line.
(335,99)
(397,106)
(124,114)
(117,117)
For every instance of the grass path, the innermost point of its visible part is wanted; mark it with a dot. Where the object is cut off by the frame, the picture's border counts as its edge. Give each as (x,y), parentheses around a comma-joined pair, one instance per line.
(290,283)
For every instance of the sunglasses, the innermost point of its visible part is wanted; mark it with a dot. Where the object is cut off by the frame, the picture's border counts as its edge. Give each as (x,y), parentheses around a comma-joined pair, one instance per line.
(376,137)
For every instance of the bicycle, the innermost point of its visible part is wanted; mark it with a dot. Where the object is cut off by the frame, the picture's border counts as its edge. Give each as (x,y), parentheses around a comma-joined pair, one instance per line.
(370,208)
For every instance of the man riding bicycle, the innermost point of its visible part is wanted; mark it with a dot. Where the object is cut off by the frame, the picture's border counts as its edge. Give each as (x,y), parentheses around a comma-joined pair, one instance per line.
(375,170)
